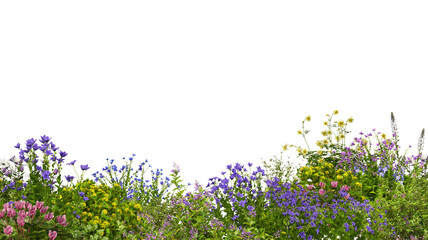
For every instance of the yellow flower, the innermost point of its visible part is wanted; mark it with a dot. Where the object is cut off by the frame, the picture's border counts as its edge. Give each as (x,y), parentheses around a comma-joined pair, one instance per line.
(60,196)
(329,132)
(383,135)
(341,123)
(336,112)
(339,170)
(114,204)
(362,197)
(339,177)
(104,211)
(326,172)
(320,152)
(341,136)
(304,151)
(325,123)
(345,175)
(299,132)
(324,133)
(350,120)
(308,118)
(358,184)
(285,147)
(84,213)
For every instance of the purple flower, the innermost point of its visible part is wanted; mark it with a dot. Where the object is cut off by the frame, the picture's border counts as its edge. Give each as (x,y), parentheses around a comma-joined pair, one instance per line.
(30,143)
(81,194)
(45,174)
(18,146)
(347,226)
(85,198)
(63,154)
(45,139)
(71,163)
(35,147)
(69,178)
(84,167)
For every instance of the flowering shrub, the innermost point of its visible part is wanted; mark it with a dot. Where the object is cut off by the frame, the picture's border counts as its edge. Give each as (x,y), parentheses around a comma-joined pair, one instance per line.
(234,194)
(44,178)
(98,206)
(18,219)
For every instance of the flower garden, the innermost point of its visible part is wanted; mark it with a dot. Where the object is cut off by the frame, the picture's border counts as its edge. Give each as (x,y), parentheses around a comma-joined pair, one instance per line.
(364,190)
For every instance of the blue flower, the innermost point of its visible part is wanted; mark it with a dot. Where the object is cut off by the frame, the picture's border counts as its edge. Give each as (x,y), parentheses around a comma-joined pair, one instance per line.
(84,167)
(71,163)
(45,174)
(69,178)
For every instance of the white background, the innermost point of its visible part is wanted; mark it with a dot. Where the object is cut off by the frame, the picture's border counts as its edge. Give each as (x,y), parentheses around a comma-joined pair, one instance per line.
(206,83)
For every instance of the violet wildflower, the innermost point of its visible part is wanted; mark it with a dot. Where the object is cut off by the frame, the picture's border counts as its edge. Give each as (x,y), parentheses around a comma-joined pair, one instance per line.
(84,167)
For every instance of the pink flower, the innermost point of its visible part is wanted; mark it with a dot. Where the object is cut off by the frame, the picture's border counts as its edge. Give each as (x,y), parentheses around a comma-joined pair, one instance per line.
(32,211)
(346,188)
(22,214)
(322,184)
(39,205)
(44,209)
(6,206)
(49,216)
(28,205)
(21,221)
(62,220)
(321,192)
(11,212)
(334,184)
(52,235)
(347,196)
(8,230)
(310,187)
(20,205)
(2,212)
